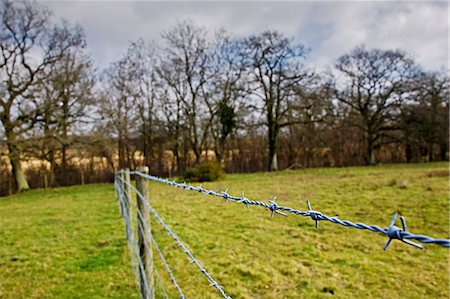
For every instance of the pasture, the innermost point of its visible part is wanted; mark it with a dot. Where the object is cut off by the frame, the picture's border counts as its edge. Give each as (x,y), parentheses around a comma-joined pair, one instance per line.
(70,242)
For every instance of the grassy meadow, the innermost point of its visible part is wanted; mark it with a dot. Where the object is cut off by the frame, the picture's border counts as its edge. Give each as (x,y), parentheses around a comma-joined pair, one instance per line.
(70,242)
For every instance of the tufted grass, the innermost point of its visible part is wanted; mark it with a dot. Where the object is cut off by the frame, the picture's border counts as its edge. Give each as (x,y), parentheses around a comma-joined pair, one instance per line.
(69,242)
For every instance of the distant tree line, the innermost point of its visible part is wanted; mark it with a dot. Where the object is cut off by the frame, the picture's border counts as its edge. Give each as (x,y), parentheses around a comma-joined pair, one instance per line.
(251,103)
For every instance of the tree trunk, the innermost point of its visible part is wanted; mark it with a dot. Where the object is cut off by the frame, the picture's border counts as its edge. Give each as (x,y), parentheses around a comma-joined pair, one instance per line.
(161,161)
(273,161)
(19,175)
(197,153)
(177,159)
(186,161)
(147,135)
(408,153)
(128,155)
(51,180)
(220,148)
(370,154)
(65,139)
(145,143)
(430,152)
(14,159)
(121,151)
(218,157)
(308,154)
(370,157)
(443,151)
(64,164)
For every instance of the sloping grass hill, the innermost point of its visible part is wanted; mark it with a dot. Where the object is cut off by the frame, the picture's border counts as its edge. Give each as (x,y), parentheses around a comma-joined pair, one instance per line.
(70,242)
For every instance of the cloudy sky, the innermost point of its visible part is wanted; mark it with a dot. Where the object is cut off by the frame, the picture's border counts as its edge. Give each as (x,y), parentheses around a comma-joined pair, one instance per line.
(329,28)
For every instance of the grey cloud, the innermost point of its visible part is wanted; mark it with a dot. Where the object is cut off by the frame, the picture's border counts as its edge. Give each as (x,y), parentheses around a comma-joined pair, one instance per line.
(329,28)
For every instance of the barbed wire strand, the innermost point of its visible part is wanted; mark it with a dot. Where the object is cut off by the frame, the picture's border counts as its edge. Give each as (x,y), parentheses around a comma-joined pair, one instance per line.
(211,280)
(146,232)
(393,232)
(172,277)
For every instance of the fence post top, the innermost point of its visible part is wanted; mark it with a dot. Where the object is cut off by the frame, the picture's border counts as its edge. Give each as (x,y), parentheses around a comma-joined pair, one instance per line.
(143,169)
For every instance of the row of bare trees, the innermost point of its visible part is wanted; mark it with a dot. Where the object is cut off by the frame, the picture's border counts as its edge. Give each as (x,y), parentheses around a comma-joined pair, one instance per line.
(251,103)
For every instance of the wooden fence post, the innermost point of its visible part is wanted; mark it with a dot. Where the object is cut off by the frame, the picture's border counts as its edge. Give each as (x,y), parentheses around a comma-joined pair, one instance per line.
(145,252)
(127,189)
(121,203)
(126,205)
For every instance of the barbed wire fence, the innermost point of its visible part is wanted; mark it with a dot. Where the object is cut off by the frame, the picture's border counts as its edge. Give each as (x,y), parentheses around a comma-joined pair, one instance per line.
(136,214)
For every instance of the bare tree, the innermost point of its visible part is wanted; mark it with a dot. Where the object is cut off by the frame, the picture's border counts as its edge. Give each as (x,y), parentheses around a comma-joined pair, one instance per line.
(226,89)
(186,70)
(311,106)
(118,107)
(372,84)
(172,111)
(425,116)
(67,96)
(28,46)
(140,62)
(276,67)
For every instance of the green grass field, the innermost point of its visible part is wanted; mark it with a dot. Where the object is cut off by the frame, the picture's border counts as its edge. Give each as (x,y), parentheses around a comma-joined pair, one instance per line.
(70,242)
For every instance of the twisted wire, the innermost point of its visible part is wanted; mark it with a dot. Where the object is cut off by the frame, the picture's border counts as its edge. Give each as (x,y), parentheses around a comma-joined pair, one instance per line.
(211,280)
(273,207)
(172,277)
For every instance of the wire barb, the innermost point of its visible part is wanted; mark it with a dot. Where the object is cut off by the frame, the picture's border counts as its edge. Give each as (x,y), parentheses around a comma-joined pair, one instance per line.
(314,214)
(243,199)
(395,232)
(273,207)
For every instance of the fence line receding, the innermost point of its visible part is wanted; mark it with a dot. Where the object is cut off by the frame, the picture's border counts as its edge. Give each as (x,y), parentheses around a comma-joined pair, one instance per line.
(141,249)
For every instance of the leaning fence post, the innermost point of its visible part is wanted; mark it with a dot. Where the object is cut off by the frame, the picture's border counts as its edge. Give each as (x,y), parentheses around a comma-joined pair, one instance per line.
(145,252)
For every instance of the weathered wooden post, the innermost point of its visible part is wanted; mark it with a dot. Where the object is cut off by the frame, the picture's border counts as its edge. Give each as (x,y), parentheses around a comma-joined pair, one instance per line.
(126,204)
(145,252)
(121,201)
(126,187)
